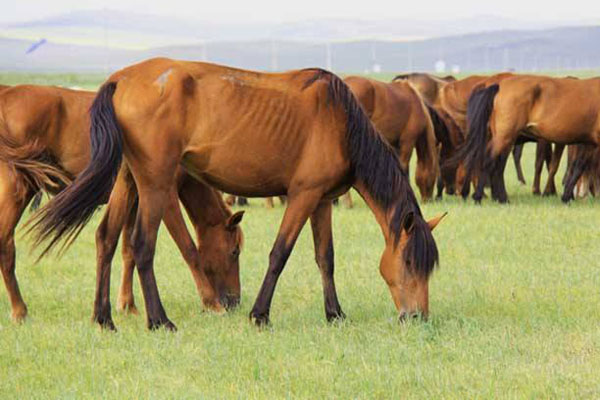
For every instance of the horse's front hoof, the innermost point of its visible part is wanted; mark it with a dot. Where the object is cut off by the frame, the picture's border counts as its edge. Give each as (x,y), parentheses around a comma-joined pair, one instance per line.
(168,325)
(259,319)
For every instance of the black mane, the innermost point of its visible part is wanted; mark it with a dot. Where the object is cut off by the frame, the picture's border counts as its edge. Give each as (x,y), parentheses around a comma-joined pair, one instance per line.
(376,165)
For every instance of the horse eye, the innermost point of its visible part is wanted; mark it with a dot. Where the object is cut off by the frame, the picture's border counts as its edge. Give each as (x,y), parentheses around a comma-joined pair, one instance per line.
(236,252)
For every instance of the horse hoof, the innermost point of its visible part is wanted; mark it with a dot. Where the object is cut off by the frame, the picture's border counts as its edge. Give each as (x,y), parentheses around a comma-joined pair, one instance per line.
(260,320)
(168,325)
(18,316)
(338,316)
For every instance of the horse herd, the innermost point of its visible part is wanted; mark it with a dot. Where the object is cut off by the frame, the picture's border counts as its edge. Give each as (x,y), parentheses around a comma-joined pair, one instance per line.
(163,132)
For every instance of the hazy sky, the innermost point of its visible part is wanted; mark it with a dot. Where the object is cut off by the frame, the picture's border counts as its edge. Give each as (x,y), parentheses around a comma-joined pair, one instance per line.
(280,10)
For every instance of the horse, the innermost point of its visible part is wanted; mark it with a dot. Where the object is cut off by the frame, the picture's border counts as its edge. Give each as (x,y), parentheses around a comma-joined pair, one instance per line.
(429,86)
(43,146)
(583,172)
(533,106)
(298,133)
(400,115)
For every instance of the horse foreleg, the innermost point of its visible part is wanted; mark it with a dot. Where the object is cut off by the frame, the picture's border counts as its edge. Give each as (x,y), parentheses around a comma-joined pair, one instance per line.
(321,228)
(550,189)
(300,206)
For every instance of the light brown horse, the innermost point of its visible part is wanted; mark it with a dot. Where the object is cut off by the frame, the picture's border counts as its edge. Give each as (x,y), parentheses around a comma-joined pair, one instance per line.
(44,143)
(429,86)
(400,115)
(299,133)
(559,110)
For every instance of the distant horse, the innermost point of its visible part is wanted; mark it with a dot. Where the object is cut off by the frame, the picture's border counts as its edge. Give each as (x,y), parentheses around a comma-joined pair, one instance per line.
(583,172)
(44,143)
(299,133)
(429,86)
(559,110)
(400,115)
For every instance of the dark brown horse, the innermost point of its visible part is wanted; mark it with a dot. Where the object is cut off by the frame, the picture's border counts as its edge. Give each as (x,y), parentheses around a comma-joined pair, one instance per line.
(559,110)
(300,134)
(44,143)
(400,115)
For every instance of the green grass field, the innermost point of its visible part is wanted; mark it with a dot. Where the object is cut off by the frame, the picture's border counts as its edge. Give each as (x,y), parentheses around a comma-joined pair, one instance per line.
(515,313)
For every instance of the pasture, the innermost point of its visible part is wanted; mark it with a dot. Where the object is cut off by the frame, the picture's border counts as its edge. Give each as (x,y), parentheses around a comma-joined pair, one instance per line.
(515,313)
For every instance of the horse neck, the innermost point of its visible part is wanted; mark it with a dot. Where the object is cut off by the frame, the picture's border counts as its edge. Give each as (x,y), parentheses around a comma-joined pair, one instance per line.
(382,216)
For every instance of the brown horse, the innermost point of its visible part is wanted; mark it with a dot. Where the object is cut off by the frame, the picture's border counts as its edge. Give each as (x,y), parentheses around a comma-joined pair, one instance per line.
(43,145)
(400,115)
(299,133)
(429,86)
(559,110)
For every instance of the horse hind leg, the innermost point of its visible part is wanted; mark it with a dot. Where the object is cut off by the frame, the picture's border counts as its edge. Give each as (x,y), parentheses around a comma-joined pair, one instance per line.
(540,157)
(107,236)
(11,209)
(126,300)
(517,153)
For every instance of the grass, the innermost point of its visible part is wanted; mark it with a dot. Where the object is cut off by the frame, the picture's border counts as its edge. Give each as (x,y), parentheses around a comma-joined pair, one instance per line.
(515,313)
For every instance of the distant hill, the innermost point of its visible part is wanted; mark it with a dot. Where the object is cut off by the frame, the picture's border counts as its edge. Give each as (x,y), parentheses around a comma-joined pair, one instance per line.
(137,30)
(523,50)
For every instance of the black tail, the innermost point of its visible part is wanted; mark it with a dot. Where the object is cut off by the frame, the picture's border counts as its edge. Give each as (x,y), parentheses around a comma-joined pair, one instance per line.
(584,161)
(67,213)
(474,150)
(376,165)
(36,201)
(442,135)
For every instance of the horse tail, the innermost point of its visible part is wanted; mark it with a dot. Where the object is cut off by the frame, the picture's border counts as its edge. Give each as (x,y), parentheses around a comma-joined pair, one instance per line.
(67,213)
(474,150)
(36,201)
(583,161)
(34,167)
(447,146)
(428,165)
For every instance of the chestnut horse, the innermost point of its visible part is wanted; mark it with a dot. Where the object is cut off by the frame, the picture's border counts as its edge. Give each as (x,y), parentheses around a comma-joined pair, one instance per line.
(43,145)
(400,115)
(559,110)
(299,133)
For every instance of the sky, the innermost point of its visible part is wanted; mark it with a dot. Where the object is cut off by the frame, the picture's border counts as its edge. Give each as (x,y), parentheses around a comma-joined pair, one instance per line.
(281,10)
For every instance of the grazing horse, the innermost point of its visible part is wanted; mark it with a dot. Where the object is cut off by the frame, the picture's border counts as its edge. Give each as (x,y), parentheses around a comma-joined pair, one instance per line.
(300,133)
(400,115)
(44,143)
(559,110)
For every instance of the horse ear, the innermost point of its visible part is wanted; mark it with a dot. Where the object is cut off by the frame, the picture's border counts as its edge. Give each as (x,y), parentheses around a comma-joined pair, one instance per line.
(436,220)
(234,220)
(409,222)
